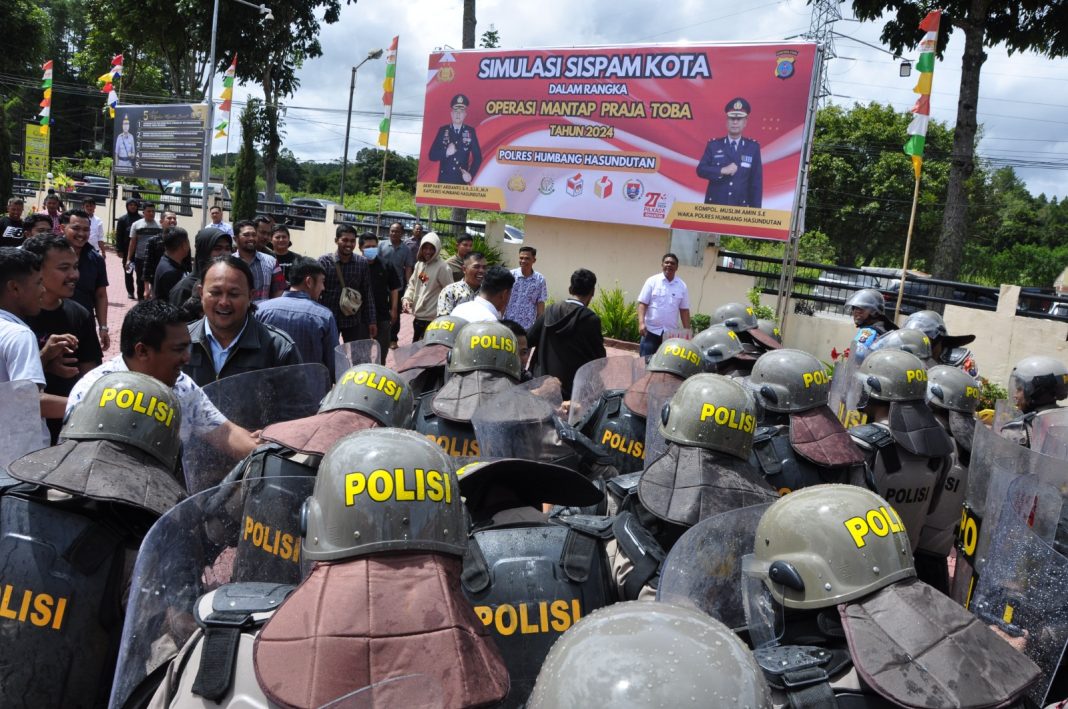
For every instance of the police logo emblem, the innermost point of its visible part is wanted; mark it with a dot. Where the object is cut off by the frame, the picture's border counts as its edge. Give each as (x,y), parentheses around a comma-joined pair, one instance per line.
(516,183)
(784,63)
(633,190)
(547,185)
(446,74)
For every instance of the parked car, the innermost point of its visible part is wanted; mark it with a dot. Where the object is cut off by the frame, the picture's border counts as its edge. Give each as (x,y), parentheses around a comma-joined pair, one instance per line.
(1059,310)
(512,234)
(304,208)
(174,198)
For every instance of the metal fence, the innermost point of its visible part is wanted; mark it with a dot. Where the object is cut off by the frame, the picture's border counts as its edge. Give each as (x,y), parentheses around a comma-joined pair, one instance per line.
(820,287)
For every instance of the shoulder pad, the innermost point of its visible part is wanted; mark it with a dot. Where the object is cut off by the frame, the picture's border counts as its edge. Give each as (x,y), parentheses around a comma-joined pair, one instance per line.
(235,604)
(956,356)
(871,435)
(764,434)
(624,484)
(600,527)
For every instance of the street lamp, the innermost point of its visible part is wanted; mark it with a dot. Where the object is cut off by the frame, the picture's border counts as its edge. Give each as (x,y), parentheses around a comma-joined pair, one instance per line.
(374,54)
(205,167)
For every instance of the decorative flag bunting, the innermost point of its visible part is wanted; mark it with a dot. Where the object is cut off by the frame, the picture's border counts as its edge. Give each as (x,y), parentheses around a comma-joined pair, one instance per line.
(109,80)
(227,97)
(921,112)
(387,92)
(46,102)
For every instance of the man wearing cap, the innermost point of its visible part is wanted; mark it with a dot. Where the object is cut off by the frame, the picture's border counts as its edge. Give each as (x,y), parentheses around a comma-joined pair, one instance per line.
(732,164)
(456,146)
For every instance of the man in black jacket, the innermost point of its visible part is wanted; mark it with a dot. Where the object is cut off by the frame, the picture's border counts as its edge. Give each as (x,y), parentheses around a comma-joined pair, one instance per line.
(226,341)
(568,334)
(122,241)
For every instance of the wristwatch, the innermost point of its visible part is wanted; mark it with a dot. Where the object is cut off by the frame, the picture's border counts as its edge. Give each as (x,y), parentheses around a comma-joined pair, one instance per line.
(102,328)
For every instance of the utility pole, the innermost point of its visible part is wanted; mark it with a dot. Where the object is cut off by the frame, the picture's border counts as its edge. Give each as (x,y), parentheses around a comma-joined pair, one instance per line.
(374,54)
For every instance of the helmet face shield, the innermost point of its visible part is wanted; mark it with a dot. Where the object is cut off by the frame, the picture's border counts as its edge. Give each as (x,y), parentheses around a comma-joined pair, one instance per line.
(764,616)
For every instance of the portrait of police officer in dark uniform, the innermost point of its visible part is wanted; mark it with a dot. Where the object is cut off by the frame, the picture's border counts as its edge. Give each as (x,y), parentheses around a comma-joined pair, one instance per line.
(732,164)
(456,146)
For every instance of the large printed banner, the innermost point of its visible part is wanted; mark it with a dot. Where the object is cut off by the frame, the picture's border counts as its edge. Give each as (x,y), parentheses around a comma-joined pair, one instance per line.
(706,138)
(36,152)
(160,141)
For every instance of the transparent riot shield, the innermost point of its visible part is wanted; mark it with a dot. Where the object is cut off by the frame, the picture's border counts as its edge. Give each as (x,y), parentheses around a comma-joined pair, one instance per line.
(1049,433)
(845,394)
(995,463)
(1023,589)
(187,552)
(596,377)
(1004,412)
(658,396)
(252,400)
(349,354)
(521,423)
(22,431)
(704,568)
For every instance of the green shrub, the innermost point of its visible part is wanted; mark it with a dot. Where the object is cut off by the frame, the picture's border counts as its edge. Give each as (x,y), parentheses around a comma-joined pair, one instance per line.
(989,393)
(494,256)
(619,319)
(762,312)
(700,321)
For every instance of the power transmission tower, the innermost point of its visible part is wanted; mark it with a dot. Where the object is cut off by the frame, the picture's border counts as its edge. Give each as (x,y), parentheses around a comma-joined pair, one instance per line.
(821,30)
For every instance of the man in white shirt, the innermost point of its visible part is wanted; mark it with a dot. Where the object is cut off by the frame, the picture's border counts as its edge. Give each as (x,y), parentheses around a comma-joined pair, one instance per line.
(663,301)
(492,297)
(217,221)
(96,227)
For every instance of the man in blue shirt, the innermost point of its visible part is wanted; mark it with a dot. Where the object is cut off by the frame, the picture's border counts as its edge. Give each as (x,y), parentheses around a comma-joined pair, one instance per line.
(298,313)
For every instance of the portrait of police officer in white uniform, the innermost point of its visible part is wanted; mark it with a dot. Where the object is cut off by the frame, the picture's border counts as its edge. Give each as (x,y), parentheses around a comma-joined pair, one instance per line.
(125,145)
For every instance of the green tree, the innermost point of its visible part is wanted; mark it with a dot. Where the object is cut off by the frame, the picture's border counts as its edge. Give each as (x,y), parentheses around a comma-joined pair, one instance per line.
(24,42)
(1020,26)
(491,38)
(244,187)
(6,181)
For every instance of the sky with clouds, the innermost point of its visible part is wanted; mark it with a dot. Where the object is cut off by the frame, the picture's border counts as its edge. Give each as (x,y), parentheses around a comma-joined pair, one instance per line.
(1023,111)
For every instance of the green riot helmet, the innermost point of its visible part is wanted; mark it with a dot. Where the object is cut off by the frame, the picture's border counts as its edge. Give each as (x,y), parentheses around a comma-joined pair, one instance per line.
(911,341)
(718,344)
(676,356)
(443,330)
(928,322)
(952,389)
(893,375)
(868,299)
(736,317)
(824,545)
(770,328)
(649,654)
(789,381)
(383,490)
(485,346)
(713,412)
(130,408)
(373,390)
(1042,381)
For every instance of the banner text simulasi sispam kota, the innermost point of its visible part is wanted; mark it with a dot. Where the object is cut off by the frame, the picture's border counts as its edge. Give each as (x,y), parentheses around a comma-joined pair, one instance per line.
(692,137)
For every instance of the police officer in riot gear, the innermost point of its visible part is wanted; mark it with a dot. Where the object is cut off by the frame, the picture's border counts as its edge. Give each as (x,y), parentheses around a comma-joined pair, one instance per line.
(1036,384)
(382,602)
(483,363)
(945,348)
(912,341)
(708,432)
(423,364)
(742,319)
(70,531)
(530,580)
(642,654)
(800,442)
(725,352)
(617,421)
(907,451)
(832,596)
(868,309)
(953,397)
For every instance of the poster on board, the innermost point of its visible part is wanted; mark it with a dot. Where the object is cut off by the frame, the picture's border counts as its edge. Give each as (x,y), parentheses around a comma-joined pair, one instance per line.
(36,153)
(160,142)
(699,137)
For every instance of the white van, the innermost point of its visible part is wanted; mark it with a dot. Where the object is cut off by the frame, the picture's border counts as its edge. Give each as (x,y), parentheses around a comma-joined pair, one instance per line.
(174,195)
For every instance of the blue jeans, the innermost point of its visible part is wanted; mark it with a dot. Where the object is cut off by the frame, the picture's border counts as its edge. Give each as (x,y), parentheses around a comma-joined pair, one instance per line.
(649,344)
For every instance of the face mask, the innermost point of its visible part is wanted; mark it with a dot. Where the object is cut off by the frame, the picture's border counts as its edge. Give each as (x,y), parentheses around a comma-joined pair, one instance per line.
(370,253)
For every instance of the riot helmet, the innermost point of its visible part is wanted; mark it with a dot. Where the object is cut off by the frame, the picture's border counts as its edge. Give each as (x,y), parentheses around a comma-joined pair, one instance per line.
(130,408)
(676,356)
(911,341)
(712,412)
(383,490)
(443,330)
(487,347)
(636,646)
(1038,381)
(736,317)
(952,389)
(868,299)
(789,381)
(824,545)
(718,344)
(893,376)
(928,322)
(373,390)
(770,328)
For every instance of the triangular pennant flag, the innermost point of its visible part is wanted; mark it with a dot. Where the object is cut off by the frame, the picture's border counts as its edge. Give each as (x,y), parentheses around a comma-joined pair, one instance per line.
(225,106)
(221,134)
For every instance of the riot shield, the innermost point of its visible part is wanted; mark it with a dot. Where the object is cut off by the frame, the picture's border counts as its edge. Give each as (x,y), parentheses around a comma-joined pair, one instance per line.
(1004,412)
(845,394)
(1022,590)
(1049,433)
(349,354)
(704,568)
(520,423)
(598,376)
(188,552)
(22,431)
(253,400)
(658,396)
(995,463)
